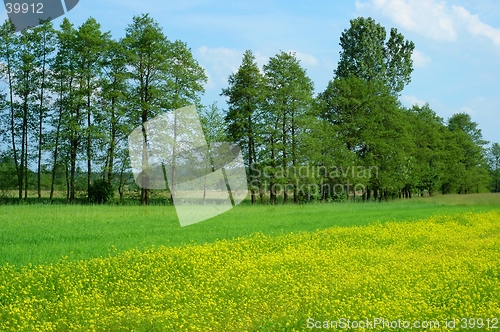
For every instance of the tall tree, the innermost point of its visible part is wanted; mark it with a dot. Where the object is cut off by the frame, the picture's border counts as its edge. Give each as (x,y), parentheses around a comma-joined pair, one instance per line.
(90,42)
(361,102)
(8,51)
(186,77)
(245,97)
(147,50)
(70,102)
(427,149)
(366,118)
(470,154)
(366,54)
(44,48)
(114,95)
(214,129)
(185,84)
(26,86)
(289,96)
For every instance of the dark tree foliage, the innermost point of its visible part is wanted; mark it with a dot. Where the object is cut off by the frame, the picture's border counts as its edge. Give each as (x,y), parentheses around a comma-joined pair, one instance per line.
(100,191)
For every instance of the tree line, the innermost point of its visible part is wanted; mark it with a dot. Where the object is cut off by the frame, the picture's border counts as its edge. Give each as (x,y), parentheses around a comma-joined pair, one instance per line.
(357,122)
(71,97)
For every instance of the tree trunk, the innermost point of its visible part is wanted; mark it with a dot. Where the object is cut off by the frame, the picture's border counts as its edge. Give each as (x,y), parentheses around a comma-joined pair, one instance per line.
(272,194)
(174,162)
(26,170)
(250,157)
(89,136)
(68,185)
(74,147)
(56,147)
(40,129)
(113,138)
(23,169)
(145,170)
(284,164)
(294,158)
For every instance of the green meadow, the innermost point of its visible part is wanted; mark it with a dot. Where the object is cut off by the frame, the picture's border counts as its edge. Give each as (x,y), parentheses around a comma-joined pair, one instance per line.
(419,264)
(38,234)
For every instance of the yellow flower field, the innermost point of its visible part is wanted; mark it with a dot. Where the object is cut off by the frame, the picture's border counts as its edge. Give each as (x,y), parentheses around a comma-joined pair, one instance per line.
(443,269)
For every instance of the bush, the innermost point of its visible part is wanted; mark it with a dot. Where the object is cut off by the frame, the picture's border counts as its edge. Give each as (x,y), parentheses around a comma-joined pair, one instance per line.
(8,176)
(100,192)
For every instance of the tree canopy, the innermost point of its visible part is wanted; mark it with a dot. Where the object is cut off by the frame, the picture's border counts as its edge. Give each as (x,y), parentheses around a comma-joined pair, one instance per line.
(368,54)
(71,96)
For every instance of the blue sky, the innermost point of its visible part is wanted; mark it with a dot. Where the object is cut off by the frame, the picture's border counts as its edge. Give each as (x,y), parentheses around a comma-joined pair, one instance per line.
(456,59)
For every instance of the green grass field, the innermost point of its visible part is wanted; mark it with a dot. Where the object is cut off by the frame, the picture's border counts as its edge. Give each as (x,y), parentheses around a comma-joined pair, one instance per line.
(426,261)
(40,234)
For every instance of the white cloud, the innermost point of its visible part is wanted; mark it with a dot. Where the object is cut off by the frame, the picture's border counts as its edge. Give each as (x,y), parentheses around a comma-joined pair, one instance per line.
(410,100)
(420,59)
(219,63)
(427,17)
(221,57)
(475,26)
(305,59)
(359,5)
(431,18)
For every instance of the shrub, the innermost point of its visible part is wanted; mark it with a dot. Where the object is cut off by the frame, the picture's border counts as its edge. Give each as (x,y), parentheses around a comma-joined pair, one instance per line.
(100,192)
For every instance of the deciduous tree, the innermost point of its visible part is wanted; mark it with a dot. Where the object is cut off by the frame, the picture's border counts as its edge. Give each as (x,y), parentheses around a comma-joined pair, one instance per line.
(147,50)
(245,96)
(289,95)
(366,53)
